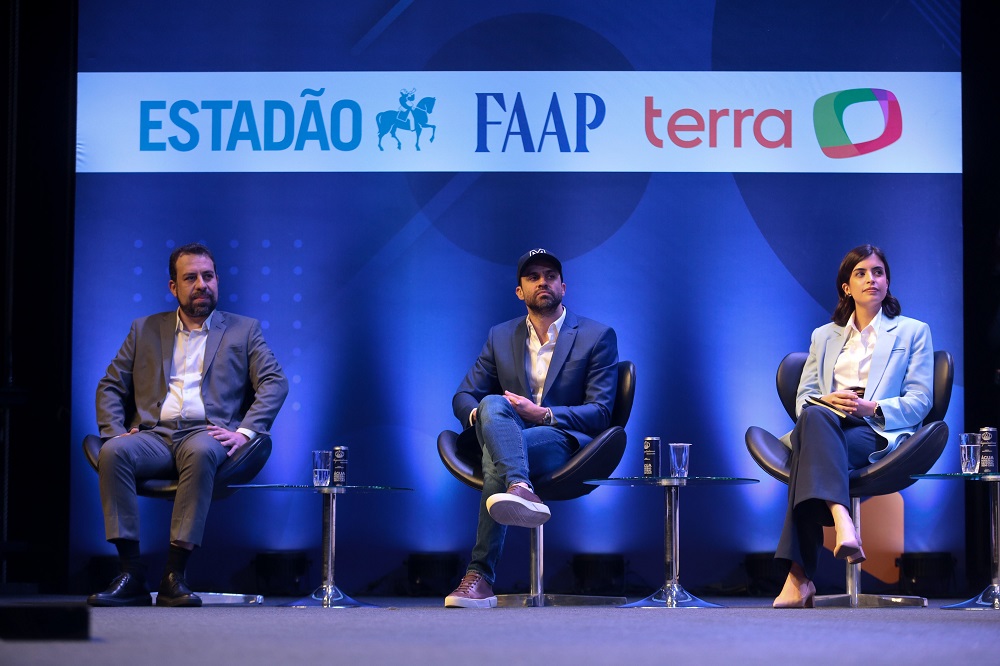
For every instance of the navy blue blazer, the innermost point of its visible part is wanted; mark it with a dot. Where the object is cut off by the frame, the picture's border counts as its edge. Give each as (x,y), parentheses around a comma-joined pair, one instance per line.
(579,388)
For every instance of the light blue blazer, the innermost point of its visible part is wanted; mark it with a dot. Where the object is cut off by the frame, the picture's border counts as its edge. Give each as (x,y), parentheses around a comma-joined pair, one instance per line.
(901,378)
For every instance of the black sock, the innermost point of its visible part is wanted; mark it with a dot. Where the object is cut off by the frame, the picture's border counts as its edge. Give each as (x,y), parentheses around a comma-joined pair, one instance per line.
(177,558)
(129,557)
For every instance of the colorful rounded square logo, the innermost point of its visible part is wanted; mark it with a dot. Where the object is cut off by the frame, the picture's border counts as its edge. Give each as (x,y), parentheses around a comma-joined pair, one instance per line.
(828,121)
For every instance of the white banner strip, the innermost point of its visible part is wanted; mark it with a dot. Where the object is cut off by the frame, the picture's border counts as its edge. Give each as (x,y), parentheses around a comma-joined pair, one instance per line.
(831,122)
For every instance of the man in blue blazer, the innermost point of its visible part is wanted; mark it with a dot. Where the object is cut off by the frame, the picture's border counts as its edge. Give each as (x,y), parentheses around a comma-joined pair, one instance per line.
(543,386)
(186,390)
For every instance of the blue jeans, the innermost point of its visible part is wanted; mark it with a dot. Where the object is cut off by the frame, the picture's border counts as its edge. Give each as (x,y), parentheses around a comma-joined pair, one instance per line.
(513,451)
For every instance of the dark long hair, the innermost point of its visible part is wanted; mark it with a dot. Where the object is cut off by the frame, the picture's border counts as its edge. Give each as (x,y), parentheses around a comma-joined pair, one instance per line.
(845,304)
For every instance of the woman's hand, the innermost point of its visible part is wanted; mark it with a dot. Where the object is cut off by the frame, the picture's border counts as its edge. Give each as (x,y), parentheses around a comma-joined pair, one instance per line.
(846,400)
(866,408)
(849,402)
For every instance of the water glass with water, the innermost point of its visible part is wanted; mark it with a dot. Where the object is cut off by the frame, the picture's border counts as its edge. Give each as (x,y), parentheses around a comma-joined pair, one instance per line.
(322,462)
(970,445)
(679,456)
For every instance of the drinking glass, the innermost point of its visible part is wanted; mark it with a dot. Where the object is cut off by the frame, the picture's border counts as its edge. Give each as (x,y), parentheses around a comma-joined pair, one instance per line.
(970,445)
(322,461)
(679,456)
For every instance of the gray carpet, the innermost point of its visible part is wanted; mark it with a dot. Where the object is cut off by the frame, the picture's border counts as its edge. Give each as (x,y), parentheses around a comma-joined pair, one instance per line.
(421,631)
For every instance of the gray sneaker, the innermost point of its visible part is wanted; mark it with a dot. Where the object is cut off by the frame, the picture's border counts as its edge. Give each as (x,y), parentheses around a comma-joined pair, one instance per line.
(518,506)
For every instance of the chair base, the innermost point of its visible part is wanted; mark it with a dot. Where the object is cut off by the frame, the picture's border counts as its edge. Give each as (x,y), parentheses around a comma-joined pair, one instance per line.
(869,601)
(538,600)
(853,597)
(225,599)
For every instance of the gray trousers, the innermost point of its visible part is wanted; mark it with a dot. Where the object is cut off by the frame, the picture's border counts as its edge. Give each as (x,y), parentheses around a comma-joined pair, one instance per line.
(182,449)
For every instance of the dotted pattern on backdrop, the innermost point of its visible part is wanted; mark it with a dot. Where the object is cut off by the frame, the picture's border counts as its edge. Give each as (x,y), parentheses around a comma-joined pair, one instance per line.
(239,285)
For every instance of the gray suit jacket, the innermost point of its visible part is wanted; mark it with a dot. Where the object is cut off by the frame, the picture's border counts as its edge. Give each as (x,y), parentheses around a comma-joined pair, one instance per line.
(242,383)
(901,377)
(581,383)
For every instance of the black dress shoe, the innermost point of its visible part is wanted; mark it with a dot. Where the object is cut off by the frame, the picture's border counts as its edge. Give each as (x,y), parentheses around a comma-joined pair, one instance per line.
(127,589)
(175,592)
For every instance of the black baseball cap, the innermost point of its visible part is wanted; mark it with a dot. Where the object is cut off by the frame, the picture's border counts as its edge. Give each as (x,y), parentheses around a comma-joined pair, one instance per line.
(540,256)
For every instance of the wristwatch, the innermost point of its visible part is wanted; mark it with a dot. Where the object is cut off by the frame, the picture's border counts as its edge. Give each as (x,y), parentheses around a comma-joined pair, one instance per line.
(547,418)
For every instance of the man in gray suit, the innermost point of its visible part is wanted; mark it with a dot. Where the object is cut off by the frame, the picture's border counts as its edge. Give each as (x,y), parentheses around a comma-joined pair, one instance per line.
(543,386)
(187,389)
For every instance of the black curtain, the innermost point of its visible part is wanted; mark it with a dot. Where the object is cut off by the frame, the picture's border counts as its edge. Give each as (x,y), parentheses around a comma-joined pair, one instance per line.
(37,293)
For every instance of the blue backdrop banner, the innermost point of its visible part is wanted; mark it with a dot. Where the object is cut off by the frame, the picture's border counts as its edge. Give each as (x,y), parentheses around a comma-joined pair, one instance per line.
(700,168)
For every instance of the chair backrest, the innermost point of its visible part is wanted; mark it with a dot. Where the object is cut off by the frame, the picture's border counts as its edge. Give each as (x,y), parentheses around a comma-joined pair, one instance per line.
(598,458)
(790,370)
(787,380)
(626,394)
(944,377)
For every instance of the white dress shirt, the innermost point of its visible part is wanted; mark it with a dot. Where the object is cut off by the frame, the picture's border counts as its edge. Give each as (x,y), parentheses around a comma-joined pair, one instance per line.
(855,360)
(539,356)
(183,401)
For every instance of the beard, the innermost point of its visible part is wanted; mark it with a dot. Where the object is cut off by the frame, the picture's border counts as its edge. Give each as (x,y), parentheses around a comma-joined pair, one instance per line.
(544,306)
(198,310)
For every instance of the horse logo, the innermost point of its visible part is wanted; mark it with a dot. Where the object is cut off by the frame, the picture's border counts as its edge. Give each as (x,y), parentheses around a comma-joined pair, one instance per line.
(409,117)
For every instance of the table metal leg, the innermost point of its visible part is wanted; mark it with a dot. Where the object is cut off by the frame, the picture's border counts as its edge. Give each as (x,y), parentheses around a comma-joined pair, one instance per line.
(672,594)
(328,595)
(989,599)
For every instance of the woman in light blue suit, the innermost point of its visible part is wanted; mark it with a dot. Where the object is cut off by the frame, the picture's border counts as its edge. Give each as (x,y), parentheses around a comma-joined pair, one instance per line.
(874,370)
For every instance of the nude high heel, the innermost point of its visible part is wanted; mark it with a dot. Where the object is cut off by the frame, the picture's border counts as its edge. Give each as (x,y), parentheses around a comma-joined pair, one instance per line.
(850,550)
(803,602)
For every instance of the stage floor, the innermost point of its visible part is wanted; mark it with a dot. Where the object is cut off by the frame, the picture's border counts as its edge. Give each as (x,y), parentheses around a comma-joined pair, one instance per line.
(421,631)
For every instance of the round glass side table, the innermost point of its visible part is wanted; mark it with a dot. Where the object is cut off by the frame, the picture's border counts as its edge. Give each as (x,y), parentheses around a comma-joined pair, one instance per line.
(672,594)
(989,598)
(327,595)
